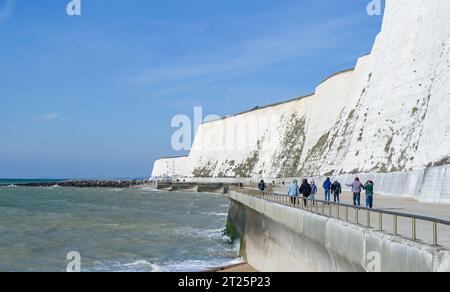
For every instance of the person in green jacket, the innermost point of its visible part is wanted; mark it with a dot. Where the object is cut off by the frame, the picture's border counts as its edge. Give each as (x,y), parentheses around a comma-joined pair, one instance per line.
(369,186)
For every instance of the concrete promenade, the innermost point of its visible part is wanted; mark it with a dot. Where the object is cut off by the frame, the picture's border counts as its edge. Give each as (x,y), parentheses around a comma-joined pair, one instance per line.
(276,236)
(403,205)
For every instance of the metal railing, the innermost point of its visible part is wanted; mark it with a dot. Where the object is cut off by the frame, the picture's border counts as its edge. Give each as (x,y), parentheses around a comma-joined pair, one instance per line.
(342,212)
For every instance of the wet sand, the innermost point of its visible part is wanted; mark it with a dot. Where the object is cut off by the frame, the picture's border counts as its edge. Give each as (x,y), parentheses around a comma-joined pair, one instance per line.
(240,268)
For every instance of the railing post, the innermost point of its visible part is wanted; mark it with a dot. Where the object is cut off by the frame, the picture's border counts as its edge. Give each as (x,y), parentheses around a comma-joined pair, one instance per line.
(435,235)
(346,213)
(338,212)
(331,210)
(380,222)
(414,230)
(395,225)
(323,208)
(357,216)
(368,218)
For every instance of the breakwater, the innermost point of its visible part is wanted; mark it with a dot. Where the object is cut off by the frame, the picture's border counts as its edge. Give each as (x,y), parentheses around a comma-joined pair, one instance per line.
(210,187)
(87,183)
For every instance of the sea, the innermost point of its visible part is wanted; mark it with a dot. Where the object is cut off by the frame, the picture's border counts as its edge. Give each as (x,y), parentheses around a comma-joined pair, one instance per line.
(112,230)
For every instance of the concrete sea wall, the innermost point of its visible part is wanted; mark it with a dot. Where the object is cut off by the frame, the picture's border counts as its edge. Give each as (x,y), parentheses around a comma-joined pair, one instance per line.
(279,238)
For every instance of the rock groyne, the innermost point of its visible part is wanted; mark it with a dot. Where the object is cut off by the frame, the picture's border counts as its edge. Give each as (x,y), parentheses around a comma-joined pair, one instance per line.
(89,184)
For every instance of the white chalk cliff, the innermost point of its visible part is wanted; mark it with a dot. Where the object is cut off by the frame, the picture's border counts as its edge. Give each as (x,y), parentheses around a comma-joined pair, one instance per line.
(389,114)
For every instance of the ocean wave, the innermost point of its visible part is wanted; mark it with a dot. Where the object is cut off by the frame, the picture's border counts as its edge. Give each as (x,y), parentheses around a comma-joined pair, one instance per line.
(139,265)
(150,189)
(197,265)
(171,266)
(215,214)
(136,266)
(218,234)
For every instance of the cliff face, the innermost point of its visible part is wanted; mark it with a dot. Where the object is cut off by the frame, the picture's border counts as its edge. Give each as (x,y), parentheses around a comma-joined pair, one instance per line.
(391,113)
(171,166)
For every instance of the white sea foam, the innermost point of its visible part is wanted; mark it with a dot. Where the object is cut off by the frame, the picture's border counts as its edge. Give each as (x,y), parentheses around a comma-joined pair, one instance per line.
(215,214)
(150,189)
(143,265)
(116,190)
(113,266)
(201,233)
(198,265)
(172,266)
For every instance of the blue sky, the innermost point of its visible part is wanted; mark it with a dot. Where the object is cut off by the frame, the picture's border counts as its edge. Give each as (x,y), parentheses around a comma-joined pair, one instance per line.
(93,96)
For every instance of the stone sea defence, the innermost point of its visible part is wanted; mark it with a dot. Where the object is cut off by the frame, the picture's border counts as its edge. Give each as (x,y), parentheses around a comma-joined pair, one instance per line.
(190,187)
(89,184)
(277,238)
(388,116)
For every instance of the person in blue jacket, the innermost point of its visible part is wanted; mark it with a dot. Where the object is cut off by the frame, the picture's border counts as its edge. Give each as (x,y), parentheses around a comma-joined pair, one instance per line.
(327,187)
(294,192)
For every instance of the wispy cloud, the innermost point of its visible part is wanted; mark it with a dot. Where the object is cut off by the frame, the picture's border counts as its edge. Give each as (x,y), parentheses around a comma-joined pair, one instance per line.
(24,33)
(250,55)
(50,117)
(6,9)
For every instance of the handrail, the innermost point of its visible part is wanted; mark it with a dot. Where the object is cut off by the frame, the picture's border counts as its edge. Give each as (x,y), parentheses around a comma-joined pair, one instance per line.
(286,200)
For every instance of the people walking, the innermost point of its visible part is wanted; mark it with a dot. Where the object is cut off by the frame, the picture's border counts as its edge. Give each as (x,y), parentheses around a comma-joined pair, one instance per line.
(305,190)
(336,190)
(369,187)
(294,192)
(313,191)
(356,186)
(262,186)
(327,187)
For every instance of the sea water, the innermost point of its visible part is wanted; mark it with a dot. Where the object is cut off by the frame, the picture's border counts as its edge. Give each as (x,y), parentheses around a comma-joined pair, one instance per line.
(113,230)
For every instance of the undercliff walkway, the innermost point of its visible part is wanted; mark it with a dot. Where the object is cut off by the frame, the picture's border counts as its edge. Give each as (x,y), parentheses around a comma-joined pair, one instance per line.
(407,218)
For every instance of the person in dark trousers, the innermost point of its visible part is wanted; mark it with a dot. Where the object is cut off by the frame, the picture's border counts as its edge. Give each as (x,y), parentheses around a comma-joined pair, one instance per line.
(327,187)
(262,186)
(336,190)
(356,186)
(305,190)
(369,187)
(294,192)
(313,191)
